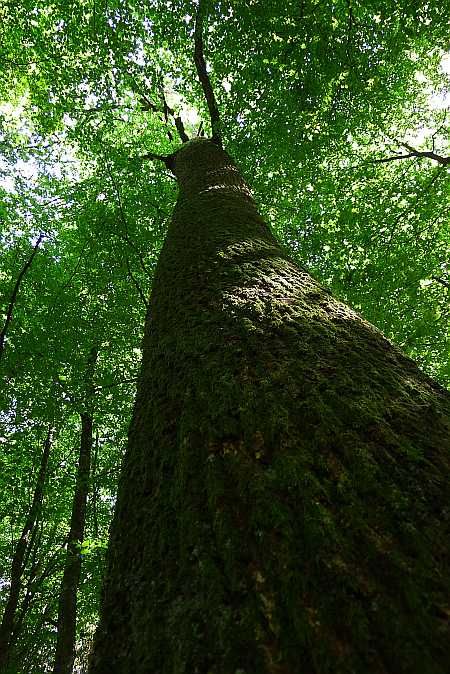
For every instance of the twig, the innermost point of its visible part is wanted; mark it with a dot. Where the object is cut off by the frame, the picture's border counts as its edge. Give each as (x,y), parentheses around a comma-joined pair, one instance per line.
(166,110)
(126,237)
(203,76)
(147,104)
(425,190)
(100,387)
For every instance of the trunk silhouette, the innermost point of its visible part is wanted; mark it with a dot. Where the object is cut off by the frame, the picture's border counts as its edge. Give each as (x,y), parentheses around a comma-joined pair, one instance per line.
(67,604)
(15,292)
(283,504)
(9,621)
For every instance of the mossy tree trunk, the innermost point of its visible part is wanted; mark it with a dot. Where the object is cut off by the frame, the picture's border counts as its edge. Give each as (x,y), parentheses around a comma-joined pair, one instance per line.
(284,500)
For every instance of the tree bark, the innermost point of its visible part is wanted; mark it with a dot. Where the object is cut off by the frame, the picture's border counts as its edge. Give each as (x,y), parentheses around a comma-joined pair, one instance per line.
(67,603)
(7,628)
(283,504)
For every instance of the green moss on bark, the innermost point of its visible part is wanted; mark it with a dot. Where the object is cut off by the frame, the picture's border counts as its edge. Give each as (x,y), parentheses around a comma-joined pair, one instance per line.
(284,499)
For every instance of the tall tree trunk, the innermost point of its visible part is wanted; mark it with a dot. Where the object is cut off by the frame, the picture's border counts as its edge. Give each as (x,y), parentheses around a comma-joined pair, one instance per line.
(67,604)
(284,500)
(7,628)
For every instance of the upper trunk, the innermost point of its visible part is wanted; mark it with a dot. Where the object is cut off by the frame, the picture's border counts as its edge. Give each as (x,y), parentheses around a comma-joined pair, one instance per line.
(283,505)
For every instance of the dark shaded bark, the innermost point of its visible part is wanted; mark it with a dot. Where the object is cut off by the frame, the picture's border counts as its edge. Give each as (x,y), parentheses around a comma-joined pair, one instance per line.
(95,487)
(284,500)
(8,632)
(67,603)
(15,292)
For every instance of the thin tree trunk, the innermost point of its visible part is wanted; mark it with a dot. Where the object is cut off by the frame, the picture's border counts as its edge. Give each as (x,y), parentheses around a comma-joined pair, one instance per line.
(95,486)
(283,505)
(15,292)
(67,607)
(7,628)
(67,604)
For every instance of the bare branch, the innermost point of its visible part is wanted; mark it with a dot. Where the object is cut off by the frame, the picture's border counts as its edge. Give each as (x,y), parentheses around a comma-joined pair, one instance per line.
(430,155)
(419,154)
(181,131)
(163,113)
(393,158)
(203,76)
(166,159)
(147,104)
(167,110)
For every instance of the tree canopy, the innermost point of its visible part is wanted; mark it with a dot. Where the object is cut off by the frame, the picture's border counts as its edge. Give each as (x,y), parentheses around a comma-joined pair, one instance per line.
(336,113)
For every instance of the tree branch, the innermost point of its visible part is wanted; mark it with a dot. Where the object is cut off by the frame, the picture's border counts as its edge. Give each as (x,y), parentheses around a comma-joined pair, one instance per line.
(135,283)
(167,110)
(147,104)
(166,159)
(164,112)
(430,155)
(125,235)
(15,291)
(116,383)
(393,158)
(419,154)
(203,76)
(181,131)
(442,281)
